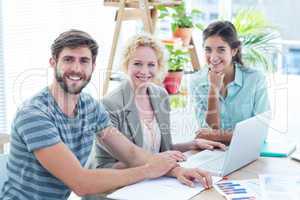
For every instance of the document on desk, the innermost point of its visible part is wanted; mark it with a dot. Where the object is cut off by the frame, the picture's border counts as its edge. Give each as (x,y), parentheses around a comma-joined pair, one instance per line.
(280,187)
(248,189)
(159,189)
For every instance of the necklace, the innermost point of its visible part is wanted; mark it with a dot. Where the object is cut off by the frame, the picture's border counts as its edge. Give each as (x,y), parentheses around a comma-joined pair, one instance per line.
(148,120)
(150,131)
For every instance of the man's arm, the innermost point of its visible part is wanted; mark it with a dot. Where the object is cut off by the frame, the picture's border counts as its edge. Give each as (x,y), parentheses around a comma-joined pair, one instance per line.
(122,148)
(62,163)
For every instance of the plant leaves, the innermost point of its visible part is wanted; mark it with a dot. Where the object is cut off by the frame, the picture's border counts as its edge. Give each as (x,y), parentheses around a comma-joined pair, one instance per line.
(258,38)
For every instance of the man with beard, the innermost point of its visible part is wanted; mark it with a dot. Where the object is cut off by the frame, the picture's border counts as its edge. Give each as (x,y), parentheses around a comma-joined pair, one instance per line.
(52,135)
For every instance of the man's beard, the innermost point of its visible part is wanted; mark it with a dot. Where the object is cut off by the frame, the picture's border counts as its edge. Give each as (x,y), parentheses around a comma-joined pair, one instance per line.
(61,79)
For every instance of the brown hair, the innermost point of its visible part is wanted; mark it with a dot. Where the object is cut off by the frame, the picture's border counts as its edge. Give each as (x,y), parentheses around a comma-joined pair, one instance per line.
(73,39)
(227,31)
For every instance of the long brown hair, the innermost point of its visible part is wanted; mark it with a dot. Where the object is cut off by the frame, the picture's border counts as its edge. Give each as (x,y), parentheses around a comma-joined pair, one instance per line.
(227,31)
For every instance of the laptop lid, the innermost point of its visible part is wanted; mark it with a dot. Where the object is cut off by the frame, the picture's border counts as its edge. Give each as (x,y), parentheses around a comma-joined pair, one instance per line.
(246,142)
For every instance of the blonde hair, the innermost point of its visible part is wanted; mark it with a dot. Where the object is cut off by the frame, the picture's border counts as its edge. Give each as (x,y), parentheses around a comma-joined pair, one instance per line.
(144,40)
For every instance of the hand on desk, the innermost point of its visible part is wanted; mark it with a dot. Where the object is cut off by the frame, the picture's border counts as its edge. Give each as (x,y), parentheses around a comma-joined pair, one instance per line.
(201,144)
(159,165)
(214,135)
(177,155)
(188,176)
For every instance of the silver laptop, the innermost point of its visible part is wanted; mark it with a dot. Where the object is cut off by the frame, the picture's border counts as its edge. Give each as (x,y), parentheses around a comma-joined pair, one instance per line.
(245,146)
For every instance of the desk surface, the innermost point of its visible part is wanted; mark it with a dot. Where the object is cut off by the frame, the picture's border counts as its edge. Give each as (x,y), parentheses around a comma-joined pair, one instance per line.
(263,165)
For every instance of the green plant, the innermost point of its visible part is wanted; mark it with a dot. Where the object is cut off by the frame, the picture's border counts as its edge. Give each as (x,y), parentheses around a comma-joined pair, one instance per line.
(178,57)
(180,17)
(258,38)
(178,101)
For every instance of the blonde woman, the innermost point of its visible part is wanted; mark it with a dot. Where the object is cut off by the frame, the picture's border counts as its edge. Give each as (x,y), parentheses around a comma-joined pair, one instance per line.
(140,109)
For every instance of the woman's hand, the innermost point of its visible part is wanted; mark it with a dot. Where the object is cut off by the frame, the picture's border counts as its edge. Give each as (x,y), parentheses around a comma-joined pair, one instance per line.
(216,80)
(176,155)
(189,176)
(119,165)
(201,144)
(206,133)
(214,135)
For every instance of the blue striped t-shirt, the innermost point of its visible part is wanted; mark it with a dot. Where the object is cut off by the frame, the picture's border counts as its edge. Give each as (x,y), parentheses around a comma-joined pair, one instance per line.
(40,123)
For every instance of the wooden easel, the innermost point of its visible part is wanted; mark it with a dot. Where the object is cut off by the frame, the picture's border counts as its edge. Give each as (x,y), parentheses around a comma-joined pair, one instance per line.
(138,10)
(4,139)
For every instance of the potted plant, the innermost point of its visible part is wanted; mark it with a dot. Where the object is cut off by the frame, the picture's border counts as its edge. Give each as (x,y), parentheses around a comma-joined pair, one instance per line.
(182,22)
(258,37)
(178,58)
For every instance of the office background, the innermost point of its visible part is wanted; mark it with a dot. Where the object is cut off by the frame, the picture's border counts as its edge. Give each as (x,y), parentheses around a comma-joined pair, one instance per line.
(28,29)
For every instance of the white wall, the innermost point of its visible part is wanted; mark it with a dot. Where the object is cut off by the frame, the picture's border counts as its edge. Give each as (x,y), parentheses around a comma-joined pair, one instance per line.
(30,27)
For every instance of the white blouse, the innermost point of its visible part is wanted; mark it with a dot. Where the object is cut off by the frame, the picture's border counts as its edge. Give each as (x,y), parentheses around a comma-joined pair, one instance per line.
(151,136)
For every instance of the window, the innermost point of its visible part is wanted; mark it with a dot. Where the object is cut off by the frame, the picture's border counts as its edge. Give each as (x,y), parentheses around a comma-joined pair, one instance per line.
(292,61)
(213,16)
(29,29)
(2,80)
(209,8)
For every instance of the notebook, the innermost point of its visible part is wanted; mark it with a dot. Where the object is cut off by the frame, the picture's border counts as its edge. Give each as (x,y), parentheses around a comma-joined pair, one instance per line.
(278,148)
(296,156)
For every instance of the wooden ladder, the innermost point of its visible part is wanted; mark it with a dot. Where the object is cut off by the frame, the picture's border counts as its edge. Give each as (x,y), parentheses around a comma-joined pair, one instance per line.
(138,10)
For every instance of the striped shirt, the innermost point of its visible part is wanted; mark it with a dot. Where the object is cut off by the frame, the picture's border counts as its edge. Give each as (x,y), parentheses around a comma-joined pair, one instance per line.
(40,123)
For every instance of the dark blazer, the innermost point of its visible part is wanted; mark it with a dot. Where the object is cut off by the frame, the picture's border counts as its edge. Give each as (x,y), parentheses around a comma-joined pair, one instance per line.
(123,113)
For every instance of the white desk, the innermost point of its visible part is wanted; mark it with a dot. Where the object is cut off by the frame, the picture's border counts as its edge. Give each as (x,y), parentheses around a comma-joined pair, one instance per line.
(264,165)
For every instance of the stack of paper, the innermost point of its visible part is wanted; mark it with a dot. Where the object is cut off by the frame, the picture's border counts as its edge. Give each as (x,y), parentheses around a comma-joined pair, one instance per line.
(159,189)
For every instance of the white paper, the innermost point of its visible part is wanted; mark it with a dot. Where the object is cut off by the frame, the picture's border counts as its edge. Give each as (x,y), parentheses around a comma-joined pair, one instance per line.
(159,189)
(280,187)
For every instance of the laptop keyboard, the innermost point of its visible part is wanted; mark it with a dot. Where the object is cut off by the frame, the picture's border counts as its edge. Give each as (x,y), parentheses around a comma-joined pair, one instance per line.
(206,159)
(214,165)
